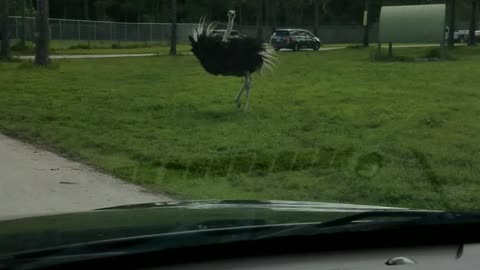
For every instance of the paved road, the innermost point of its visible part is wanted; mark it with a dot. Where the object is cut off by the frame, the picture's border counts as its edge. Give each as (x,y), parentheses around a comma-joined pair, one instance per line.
(89,56)
(35,181)
(96,56)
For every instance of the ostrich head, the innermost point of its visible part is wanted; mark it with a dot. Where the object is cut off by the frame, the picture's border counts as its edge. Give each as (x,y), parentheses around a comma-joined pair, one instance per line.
(231,19)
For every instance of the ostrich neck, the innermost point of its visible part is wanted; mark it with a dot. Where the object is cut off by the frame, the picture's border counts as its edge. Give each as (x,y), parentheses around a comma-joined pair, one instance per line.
(229,29)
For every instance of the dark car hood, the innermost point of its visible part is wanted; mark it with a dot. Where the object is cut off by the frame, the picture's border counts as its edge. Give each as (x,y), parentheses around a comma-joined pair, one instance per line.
(165,217)
(256,204)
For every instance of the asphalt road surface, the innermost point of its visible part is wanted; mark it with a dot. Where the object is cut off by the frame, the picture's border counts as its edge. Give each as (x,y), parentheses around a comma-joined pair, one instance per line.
(34,181)
(96,56)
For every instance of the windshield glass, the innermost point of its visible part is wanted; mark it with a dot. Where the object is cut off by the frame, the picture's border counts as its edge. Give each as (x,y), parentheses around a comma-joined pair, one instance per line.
(265,103)
(281,33)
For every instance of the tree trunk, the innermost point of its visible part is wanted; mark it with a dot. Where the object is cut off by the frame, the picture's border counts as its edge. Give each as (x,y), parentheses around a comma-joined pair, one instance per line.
(23,29)
(366,38)
(164,9)
(42,33)
(316,17)
(156,11)
(451,24)
(273,15)
(472,39)
(65,8)
(85,10)
(32,21)
(268,14)
(173,34)
(86,16)
(259,20)
(4,33)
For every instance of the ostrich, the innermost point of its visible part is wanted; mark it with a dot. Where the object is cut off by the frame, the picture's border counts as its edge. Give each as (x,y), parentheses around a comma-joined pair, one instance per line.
(231,56)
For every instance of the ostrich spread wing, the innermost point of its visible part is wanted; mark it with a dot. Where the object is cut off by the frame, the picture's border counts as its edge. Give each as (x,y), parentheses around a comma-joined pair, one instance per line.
(232,58)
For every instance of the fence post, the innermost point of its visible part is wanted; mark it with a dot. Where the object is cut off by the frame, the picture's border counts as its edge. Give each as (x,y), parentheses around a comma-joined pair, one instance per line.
(111,31)
(94,30)
(78,29)
(61,32)
(125,31)
(16,27)
(151,35)
(138,31)
(163,35)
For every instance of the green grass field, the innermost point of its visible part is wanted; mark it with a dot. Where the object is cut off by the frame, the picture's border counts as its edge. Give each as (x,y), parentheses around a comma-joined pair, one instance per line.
(74,47)
(325,126)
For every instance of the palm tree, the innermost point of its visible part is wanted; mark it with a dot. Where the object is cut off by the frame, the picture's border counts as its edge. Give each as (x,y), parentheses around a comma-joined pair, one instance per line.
(259,19)
(5,52)
(173,34)
(316,16)
(473,24)
(451,23)
(41,52)
(24,24)
(85,10)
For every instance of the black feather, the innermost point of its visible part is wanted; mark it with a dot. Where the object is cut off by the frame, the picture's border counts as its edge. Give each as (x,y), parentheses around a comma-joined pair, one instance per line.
(232,58)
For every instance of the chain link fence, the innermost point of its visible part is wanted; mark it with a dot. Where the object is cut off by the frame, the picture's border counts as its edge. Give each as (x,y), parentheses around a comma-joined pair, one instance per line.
(83,30)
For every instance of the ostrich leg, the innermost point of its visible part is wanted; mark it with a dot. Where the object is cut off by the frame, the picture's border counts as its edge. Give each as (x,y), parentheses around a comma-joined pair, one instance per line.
(247,89)
(237,97)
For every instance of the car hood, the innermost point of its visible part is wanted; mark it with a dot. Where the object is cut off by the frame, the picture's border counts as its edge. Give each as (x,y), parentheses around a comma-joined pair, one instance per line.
(257,204)
(165,217)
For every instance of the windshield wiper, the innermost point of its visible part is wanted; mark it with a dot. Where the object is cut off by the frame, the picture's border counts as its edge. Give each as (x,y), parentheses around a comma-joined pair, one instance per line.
(369,221)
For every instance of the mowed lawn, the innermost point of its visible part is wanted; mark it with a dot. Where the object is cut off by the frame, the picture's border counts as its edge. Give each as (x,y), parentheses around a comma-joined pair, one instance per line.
(325,126)
(74,47)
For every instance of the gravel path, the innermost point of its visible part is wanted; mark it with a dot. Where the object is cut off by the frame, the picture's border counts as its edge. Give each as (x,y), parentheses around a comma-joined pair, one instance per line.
(35,181)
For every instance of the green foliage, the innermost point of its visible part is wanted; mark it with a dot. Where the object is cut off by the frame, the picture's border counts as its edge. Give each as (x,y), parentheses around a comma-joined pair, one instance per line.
(128,46)
(412,55)
(80,46)
(19,46)
(434,53)
(325,126)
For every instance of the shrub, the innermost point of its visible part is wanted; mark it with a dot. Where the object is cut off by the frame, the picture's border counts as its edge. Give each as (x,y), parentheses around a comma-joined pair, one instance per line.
(433,53)
(128,46)
(80,46)
(19,46)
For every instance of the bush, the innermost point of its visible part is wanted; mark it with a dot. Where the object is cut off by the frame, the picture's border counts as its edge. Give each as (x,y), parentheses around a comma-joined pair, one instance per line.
(433,53)
(436,54)
(80,46)
(357,46)
(128,46)
(19,46)
(383,57)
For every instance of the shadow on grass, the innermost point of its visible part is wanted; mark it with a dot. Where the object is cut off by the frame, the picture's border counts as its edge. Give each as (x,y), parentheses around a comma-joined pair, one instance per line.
(30,65)
(430,55)
(217,115)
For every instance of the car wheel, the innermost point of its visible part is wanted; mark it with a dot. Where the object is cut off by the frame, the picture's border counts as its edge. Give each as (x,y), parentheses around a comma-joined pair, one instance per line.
(316,46)
(296,47)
